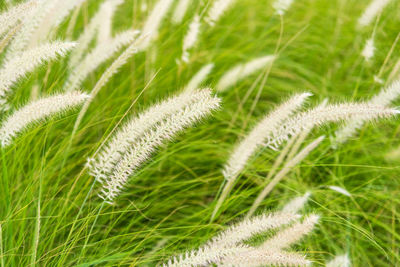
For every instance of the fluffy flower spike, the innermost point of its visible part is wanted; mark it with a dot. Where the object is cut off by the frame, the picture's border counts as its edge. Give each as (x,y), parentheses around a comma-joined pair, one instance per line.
(241,71)
(15,68)
(296,204)
(227,249)
(96,57)
(384,98)
(217,10)
(339,261)
(180,11)
(15,14)
(199,77)
(373,9)
(329,113)
(37,111)
(139,138)
(281,6)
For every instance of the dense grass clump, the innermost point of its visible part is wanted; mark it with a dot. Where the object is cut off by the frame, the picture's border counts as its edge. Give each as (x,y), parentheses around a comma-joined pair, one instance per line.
(195,173)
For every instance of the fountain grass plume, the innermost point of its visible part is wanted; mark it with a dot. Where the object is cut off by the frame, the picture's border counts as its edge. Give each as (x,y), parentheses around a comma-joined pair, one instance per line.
(106,159)
(141,148)
(256,138)
(180,11)
(342,260)
(296,204)
(340,190)
(217,9)
(228,248)
(101,53)
(37,111)
(384,98)
(292,234)
(190,38)
(372,10)
(100,19)
(281,6)
(243,70)
(17,67)
(325,114)
(247,228)
(199,77)
(153,22)
(15,14)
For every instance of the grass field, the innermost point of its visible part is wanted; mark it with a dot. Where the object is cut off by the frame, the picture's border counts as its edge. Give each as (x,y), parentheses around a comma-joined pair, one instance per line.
(51,214)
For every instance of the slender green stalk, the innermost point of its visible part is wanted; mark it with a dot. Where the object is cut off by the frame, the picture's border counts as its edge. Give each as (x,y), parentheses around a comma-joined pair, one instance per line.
(6,189)
(63,258)
(7,203)
(225,192)
(36,236)
(1,247)
(83,250)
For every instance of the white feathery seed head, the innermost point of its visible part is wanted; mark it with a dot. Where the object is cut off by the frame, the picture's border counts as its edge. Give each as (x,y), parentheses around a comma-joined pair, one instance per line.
(38,24)
(217,9)
(37,111)
(8,36)
(64,8)
(249,227)
(15,14)
(18,66)
(199,77)
(204,256)
(387,95)
(345,132)
(129,154)
(227,248)
(154,20)
(30,23)
(369,49)
(246,148)
(101,53)
(55,13)
(292,234)
(340,190)
(373,9)
(190,38)
(118,63)
(340,261)
(105,28)
(241,71)
(260,257)
(296,204)
(92,29)
(384,98)
(135,128)
(378,80)
(145,146)
(281,6)
(143,6)
(324,114)
(180,11)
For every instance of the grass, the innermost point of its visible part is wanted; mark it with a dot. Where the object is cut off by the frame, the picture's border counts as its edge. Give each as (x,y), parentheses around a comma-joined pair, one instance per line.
(52,216)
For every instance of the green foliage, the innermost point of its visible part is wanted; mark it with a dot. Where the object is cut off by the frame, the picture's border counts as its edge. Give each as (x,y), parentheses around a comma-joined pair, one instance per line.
(167,205)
